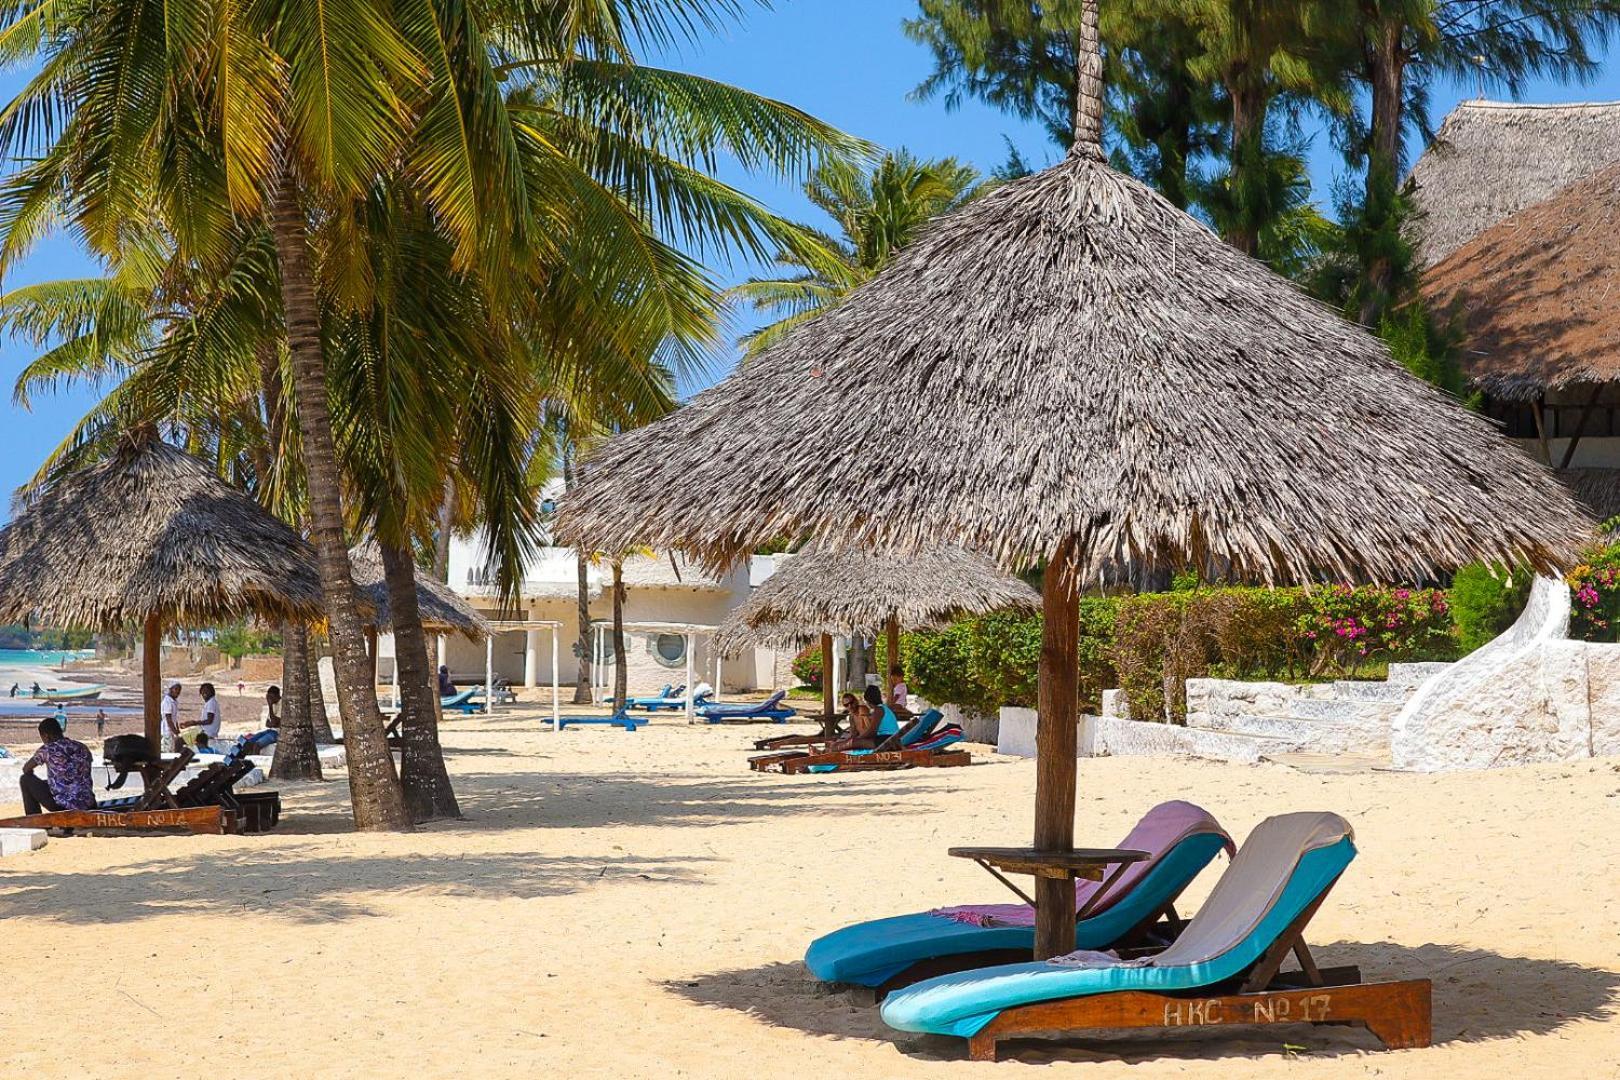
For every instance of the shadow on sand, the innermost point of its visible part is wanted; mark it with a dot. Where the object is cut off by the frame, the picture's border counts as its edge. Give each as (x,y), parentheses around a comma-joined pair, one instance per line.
(1478,995)
(310,884)
(545,800)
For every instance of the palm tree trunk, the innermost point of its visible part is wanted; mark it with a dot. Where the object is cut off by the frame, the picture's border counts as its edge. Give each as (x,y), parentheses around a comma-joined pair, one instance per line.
(1386,70)
(621,674)
(374,788)
(1247,154)
(441,543)
(427,782)
(295,757)
(582,647)
(318,720)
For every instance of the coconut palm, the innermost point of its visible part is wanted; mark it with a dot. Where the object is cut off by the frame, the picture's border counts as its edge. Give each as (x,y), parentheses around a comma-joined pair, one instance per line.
(529,137)
(876,212)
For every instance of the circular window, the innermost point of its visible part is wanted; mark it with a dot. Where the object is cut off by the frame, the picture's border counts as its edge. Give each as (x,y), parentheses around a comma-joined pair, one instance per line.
(670,649)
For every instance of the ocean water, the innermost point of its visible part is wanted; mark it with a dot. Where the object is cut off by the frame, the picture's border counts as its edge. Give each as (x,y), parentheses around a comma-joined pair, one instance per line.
(24,666)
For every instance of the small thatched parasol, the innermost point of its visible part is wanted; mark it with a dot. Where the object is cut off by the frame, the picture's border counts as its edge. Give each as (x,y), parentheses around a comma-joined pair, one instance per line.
(151,537)
(443,611)
(1072,371)
(828,594)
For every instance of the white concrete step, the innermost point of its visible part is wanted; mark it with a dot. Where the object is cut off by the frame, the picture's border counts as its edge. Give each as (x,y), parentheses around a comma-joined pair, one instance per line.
(18,841)
(1271,727)
(1414,675)
(1341,710)
(1357,690)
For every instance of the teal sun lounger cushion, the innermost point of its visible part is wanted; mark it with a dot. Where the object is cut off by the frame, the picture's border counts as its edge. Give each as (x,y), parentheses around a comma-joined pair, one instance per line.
(962,1004)
(871,953)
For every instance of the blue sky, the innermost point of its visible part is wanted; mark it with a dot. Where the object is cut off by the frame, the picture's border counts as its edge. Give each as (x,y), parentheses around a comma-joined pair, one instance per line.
(846,61)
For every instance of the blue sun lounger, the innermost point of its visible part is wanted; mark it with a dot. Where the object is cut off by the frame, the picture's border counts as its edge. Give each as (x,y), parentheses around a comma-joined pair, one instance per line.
(619,719)
(462,701)
(661,695)
(1224,967)
(770,709)
(886,954)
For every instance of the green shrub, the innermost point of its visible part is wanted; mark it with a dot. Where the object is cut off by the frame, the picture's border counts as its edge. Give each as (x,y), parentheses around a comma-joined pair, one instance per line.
(1350,626)
(1484,602)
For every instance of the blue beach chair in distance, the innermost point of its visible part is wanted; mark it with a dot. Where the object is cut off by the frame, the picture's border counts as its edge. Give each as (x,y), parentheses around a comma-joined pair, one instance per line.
(771,709)
(1224,967)
(1138,909)
(621,720)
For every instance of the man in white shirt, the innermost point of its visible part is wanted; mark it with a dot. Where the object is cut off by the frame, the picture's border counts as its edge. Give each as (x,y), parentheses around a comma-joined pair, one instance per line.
(170,709)
(209,719)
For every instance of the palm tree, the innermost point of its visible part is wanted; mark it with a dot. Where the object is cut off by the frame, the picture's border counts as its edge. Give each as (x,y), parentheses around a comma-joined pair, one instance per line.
(528,136)
(877,213)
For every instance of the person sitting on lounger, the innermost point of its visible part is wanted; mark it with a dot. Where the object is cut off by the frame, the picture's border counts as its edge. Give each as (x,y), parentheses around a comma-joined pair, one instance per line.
(446,687)
(271,716)
(899,692)
(887,723)
(861,726)
(67,774)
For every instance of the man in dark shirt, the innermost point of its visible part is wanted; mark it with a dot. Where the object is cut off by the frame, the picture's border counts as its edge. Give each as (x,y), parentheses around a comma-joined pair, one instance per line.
(67,768)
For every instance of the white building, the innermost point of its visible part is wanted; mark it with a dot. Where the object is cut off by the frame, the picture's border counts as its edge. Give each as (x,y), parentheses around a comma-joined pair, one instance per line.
(671,605)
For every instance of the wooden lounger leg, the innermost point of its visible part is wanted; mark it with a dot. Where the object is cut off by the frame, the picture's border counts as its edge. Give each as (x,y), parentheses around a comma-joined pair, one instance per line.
(1404,1018)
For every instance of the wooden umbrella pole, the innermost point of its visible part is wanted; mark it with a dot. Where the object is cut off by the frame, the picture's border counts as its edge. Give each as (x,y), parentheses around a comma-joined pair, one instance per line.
(826,683)
(1055,745)
(892,632)
(152,680)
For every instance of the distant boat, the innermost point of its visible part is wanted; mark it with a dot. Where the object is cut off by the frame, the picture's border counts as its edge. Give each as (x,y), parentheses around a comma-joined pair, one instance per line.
(78,693)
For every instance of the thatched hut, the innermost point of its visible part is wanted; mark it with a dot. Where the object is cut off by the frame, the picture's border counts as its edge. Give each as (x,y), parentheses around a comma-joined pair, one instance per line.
(846,593)
(151,537)
(443,610)
(1070,371)
(1533,300)
(1491,159)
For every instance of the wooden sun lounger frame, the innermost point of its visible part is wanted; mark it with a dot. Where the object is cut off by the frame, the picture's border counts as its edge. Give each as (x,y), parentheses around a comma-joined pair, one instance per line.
(1397,1013)
(793,762)
(195,819)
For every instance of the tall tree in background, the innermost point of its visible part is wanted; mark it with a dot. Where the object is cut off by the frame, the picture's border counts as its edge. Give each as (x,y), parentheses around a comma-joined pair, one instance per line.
(1398,50)
(877,213)
(1019,57)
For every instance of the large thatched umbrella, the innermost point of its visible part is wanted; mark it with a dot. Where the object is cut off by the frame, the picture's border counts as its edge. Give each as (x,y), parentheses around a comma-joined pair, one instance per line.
(831,593)
(1071,371)
(151,537)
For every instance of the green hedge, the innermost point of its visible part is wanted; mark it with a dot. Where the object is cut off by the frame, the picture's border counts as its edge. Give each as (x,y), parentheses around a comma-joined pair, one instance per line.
(1150,645)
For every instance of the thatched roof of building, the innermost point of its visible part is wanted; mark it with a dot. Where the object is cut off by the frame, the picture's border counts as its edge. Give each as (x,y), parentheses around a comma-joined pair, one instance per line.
(1491,159)
(856,592)
(1072,357)
(443,612)
(1536,297)
(151,531)
(1596,489)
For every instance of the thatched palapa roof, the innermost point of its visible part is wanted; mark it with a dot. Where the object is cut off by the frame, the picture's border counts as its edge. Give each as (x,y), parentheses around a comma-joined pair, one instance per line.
(855,592)
(443,612)
(1536,296)
(151,531)
(1491,159)
(1071,357)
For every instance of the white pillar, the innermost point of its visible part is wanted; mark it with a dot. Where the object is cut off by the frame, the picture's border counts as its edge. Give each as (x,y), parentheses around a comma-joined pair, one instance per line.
(442,649)
(838,668)
(396,676)
(531,658)
(719,670)
(690,712)
(597,682)
(489,674)
(556,692)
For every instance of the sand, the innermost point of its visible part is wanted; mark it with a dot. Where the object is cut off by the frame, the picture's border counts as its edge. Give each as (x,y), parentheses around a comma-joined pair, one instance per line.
(636,905)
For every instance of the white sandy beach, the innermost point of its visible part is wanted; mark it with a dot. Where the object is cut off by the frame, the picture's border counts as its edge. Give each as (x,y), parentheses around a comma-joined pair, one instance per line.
(636,905)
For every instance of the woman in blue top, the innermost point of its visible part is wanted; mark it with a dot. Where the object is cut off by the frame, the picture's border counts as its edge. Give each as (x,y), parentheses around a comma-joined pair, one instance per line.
(888,724)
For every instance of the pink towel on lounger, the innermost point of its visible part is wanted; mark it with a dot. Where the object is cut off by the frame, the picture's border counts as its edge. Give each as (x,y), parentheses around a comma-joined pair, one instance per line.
(1159,831)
